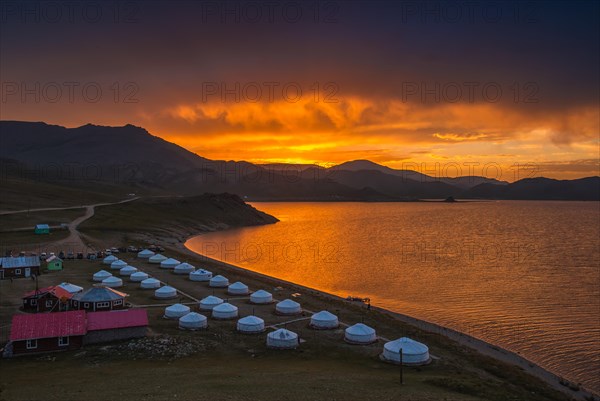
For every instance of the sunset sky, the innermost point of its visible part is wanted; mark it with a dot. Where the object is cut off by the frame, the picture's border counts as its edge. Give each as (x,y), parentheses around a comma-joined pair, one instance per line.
(402,83)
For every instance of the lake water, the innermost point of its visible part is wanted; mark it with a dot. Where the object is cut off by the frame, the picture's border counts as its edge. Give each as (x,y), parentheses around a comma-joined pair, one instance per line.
(522,275)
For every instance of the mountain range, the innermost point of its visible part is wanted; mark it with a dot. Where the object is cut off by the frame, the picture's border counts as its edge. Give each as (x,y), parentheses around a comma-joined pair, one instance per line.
(130,158)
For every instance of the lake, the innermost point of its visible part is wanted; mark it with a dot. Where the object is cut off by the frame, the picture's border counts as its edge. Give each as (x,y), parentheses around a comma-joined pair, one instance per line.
(524,275)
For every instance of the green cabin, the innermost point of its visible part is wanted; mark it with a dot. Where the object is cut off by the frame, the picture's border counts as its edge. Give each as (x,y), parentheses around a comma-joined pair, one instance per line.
(54,263)
(42,229)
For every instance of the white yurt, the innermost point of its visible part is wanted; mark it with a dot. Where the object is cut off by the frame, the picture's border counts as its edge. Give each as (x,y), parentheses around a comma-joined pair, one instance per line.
(210,302)
(413,352)
(72,288)
(251,324)
(145,254)
(149,283)
(101,275)
(237,288)
(118,264)
(169,263)
(288,307)
(112,282)
(261,297)
(282,339)
(138,276)
(157,258)
(218,281)
(193,321)
(165,292)
(324,320)
(109,259)
(176,311)
(127,271)
(360,334)
(183,268)
(225,311)
(201,275)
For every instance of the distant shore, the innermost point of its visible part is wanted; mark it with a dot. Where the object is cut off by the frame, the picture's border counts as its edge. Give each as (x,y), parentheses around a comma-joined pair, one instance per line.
(483,347)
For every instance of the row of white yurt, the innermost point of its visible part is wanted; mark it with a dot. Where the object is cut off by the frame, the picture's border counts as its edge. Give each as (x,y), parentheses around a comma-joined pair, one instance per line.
(157,258)
(413,352)
(324,320)
(193,321)
(288,307)
(282,339)
(225,311)
(200,275)
(176,311)
(145,254)
(183,268)
(169,263)
(360,334)
(251,324)
(138,276)
(166,292)
(150,283)
(127,271)
(71,288)
(109,259)
(101,275)
(219,281)
(118,264)
(112,282)
(261,297)
(238,288)
(210,302)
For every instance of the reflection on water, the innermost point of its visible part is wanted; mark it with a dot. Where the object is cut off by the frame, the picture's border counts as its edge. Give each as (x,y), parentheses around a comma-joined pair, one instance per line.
(523,275)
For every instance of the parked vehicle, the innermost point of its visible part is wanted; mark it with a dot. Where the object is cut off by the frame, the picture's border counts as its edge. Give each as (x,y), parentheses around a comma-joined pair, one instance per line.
(123,250)
(61,254)
(114,250)
(70,255)
(107,252)
(131,248)
(160,249)
(79,255)
(43,256)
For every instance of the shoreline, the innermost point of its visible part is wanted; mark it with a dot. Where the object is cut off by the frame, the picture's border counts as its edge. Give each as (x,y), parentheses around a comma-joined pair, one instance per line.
(480,346)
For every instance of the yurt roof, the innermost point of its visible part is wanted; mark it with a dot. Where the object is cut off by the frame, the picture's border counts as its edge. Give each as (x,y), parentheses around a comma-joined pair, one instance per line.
(95,294)
(171,261)
(110,258)
(178,308)
(184,265)
(261,294)
(283,334)
(408,346)
(238,285)
(360,329)
(193,317)
(139,274)
(288,303)
(157,257)
(225,307)
(112,279)
(219,278)
(166,289)
(251,320)
(102,273)
(72,288)
(146,252)
(129,268)
(119,262)
(211,299)
(324,315)
(150,280)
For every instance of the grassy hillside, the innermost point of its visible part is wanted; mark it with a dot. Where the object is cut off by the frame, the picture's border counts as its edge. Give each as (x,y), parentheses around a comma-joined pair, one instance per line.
(176,217)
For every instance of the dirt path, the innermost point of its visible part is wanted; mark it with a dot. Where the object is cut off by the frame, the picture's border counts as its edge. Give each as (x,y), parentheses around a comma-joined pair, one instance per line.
(74,242)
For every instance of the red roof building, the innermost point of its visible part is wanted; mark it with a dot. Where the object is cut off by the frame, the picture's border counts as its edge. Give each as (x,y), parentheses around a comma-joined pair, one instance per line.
(116,325)
(48,299)
(46,332)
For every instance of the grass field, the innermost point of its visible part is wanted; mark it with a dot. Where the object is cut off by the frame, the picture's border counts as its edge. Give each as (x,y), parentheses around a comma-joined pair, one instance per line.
(226,365)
